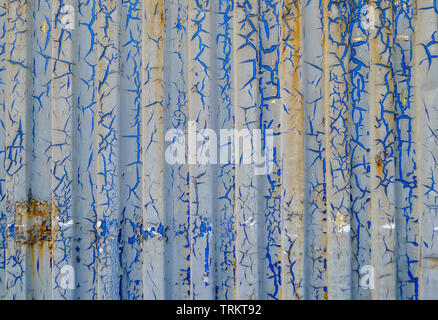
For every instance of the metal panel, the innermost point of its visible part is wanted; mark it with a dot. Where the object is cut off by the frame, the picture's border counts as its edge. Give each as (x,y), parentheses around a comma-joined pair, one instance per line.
(345,207)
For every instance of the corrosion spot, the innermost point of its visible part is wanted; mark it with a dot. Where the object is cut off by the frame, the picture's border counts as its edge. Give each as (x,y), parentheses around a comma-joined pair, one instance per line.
(33,221)
(379,165)
(433,262)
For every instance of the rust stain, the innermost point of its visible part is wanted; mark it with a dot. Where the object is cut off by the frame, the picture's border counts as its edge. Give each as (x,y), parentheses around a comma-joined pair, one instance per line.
(35,222)
(44,28)
(35,227)
(340,221)
(160,6)
(434,262)
(379,165)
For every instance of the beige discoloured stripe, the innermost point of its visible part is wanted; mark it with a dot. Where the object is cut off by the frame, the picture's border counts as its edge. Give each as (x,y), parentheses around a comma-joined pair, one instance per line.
(152,112)
(292,155)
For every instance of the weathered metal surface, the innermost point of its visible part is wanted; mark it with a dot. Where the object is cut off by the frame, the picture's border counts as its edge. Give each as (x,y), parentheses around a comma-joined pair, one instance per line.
(91,208)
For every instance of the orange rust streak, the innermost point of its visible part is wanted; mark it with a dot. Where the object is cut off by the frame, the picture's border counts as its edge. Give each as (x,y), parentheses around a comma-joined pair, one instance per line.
(35,222)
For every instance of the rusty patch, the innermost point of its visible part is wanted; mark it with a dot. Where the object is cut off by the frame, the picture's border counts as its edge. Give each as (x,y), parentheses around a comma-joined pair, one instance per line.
(433,262)
(379,165)
(33,222)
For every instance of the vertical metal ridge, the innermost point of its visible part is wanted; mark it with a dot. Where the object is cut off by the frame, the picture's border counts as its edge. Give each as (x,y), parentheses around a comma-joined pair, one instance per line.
(246,113)
(314,171)
(107,149)
(18,28)
(382,155)
(175,83)
(131,204)
(406,183)
(153,236)
(62,206)
(336,103)
(3,218)
(201,175)
(86,150)
(225,254)
(427,80)
(360,82)
(270,182)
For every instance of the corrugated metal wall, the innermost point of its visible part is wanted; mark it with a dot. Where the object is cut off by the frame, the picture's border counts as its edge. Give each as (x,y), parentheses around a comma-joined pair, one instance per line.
(91,209)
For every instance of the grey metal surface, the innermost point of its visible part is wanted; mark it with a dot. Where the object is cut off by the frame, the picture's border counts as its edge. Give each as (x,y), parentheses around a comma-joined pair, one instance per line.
(91,208)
